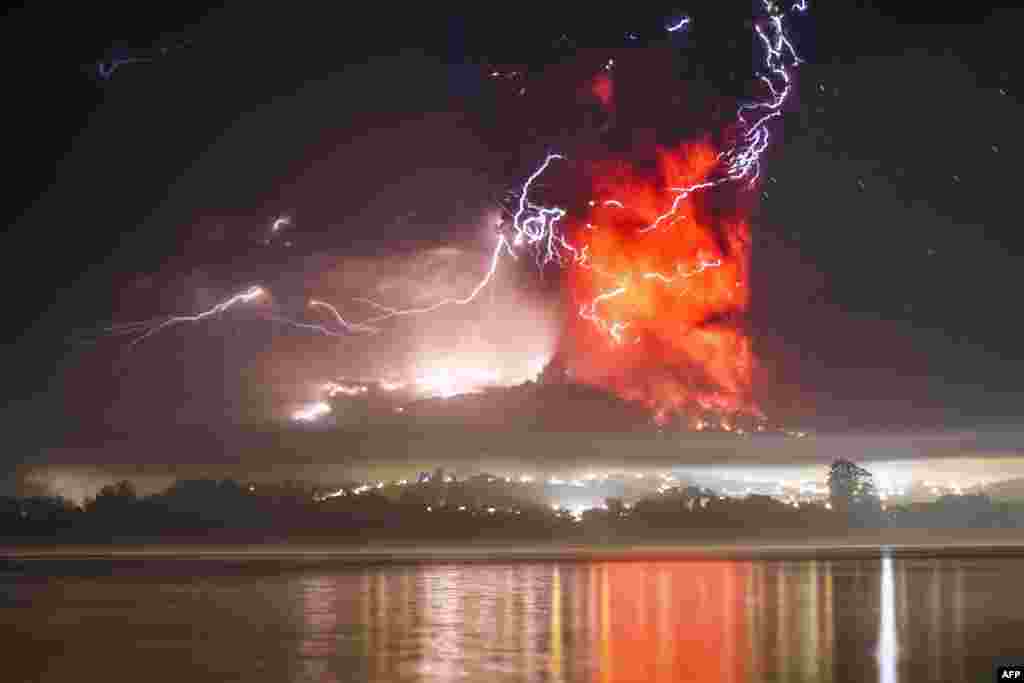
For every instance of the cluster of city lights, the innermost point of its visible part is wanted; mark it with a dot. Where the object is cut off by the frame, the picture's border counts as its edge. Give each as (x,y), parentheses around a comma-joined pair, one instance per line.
(795,493)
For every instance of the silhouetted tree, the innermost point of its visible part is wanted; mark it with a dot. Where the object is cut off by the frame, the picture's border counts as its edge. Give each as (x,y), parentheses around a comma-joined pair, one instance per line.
(616,507)
(847,483)
(113,497)
(852,492)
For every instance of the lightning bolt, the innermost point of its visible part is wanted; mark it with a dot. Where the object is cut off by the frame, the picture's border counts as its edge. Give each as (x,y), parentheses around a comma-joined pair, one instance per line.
(744,160)
(388,312)
(741,161)
(681,274)
(681,194)
(312,327)
(350,327)
(681,24)
(152,328)
(537,227)
(280,222)
(105,70)
(589,312)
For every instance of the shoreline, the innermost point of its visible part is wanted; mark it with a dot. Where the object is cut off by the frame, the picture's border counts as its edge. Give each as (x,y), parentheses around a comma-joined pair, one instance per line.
(852,546)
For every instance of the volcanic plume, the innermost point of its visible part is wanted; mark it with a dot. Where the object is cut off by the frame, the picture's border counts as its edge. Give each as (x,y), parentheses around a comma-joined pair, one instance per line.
(659,297)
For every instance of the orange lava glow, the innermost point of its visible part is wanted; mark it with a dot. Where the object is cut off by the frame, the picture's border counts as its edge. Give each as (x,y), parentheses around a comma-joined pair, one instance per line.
(660,296)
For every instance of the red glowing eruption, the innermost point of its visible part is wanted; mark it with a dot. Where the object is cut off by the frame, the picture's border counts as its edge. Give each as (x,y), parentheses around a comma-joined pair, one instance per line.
(602,89)
(660,296)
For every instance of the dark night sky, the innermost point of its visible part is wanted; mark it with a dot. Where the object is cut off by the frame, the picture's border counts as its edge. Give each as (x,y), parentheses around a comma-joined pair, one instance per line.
(886,249)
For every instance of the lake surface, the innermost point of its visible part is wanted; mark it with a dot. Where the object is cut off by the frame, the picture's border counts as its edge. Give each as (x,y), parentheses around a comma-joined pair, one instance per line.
(196,620)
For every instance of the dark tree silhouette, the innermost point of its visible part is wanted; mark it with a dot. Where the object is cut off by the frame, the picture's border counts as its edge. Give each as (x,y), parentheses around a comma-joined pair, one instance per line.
(616,506)
(852,492)
(113,497)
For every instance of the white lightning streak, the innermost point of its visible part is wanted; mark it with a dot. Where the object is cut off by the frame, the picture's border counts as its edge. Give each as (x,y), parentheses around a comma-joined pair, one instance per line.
(535,225)
(675,27)
(351,327)
(244,297)
(389,312)
(701,267)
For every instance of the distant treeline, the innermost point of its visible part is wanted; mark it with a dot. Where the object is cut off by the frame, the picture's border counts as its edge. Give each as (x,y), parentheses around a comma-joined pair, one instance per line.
(481,509)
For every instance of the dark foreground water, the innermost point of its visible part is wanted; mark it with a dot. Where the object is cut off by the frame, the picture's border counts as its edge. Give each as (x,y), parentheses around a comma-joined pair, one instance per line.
(869,619)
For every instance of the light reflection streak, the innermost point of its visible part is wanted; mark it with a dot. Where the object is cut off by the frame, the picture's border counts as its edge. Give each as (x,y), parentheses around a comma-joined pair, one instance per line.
(783,659)
(321,620)
(443,596)
(556,655)
(755,619)
(728,612)
(407,601)
(489,612)
(365,604)
(382,632)
(958,618)
(531,602)
(510,626)
(828,620)
(579,593)
(663,593)
(887,647)
(607,622)
(605,664)
(927,618)
(593,625)
(809,628)
(935,623)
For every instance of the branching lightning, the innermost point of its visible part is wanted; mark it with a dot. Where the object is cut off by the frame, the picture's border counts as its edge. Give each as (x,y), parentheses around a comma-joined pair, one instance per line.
(538,226)
(346,325)
(534,226)
(387,312)
(151,327)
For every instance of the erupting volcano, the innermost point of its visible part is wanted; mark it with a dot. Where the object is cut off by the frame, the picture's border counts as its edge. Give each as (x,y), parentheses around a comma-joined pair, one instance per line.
(660,296)
(652,236)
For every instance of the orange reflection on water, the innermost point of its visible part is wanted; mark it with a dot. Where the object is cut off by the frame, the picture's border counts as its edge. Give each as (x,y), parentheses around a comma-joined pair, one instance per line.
(858,619)
(672,621)
(605,622)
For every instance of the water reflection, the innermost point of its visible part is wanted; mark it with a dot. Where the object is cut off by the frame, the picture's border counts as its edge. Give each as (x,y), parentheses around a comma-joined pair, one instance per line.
(870,619)
(321,614)
(603,622)
(887,626)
